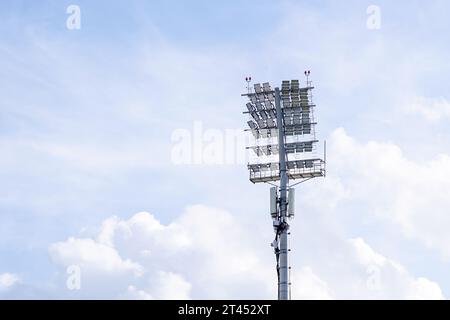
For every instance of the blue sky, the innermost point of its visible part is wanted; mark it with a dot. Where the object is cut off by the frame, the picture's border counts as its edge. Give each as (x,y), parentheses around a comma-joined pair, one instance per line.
(87,117)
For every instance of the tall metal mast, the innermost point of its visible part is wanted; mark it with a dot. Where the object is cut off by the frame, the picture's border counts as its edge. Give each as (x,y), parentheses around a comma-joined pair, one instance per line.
(282,125)
(282,230)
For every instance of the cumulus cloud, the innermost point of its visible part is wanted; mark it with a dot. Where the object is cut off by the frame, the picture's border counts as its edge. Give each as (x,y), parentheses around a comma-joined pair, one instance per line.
(308,286)
(424,289)
(385,278)
(8,280)
(202,254)
(93,255)
(352,269)
(133,293)
(386,185)
(205,253)
(165,286)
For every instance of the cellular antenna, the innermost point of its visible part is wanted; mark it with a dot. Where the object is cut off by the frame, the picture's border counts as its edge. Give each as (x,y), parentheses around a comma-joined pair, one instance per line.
(283,150)
(307,74)
(248,80)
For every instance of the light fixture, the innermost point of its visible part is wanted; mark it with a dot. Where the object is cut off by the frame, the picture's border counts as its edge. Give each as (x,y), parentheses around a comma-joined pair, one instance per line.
(282,123)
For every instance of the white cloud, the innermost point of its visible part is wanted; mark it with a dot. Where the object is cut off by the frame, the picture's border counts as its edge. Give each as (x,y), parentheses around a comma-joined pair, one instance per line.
(308,286)
(351,269)
(385,278)
(171,286)
(383,183)
(163,286)
(206,253)
(203,251)
(432,109)
(422,288)
(8,280)
(135,294)
(86,253)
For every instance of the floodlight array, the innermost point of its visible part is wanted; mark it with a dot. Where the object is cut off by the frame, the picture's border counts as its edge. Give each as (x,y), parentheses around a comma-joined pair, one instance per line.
(298,169)
(297,109)
(297,121)
(295,147)
(261,108)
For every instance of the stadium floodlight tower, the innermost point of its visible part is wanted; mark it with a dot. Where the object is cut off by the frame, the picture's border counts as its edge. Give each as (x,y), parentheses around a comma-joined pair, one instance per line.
(283,149)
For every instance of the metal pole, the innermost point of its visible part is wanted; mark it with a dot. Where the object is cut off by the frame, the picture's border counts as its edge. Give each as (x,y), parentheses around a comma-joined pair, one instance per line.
(284,285)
